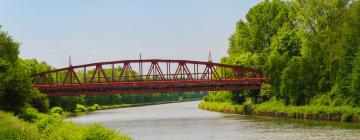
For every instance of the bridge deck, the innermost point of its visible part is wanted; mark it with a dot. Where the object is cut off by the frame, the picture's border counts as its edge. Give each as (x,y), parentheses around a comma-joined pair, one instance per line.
(150,87)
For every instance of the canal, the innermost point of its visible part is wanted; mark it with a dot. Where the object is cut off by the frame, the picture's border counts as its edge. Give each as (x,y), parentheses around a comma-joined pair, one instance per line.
(184,121)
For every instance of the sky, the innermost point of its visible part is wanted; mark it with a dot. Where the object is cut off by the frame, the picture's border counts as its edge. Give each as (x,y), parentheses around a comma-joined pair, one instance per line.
(93,30)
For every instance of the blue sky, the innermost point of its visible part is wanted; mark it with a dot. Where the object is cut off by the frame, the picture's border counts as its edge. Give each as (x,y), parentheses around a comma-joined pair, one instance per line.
(94,30)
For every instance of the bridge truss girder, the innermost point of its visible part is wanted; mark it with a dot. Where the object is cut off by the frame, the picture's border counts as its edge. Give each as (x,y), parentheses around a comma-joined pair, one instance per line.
(160,77)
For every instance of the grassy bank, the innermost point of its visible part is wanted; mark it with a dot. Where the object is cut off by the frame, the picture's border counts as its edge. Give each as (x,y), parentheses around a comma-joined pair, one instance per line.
(38,126)
(32,125)
(222,107)
(278,109)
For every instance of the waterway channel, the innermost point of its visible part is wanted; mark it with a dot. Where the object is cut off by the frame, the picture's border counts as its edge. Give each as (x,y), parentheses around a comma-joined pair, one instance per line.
(184,121)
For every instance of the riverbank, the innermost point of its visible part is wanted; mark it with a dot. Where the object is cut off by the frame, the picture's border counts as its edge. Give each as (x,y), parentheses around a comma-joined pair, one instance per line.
(277,109)
(32,125)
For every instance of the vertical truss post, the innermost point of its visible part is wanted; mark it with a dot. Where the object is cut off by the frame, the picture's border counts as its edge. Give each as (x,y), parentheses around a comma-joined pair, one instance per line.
(85,75)
(140,70)
(71,77)
(168,71)
(57,77)
(112,73)
(197,71)
(222,72)
(98,73)
(194,72)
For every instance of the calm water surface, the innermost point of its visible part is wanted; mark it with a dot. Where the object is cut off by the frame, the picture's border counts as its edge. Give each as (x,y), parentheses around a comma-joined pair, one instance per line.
(184,121)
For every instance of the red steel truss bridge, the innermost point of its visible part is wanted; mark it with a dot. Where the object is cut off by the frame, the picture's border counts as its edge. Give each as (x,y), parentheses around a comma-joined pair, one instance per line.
(146,76)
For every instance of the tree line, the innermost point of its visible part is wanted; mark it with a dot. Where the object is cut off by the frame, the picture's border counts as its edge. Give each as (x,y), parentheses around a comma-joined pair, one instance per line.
(309,49)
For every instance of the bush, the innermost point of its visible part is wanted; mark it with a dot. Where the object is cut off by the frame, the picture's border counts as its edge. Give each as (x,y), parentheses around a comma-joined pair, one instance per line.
(40,101)
(15,93)
(29,114)
(57,110)
(80,108)
(13,128)
(53,127)
(97,132)
(48,124)
(94,107)
(222,107)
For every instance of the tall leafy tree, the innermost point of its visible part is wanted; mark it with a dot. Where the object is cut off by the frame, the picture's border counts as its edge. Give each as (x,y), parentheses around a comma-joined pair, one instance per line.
(309,50)
(14,88)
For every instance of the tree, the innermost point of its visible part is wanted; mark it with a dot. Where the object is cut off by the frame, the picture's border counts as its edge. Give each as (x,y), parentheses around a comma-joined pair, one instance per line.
(12,87)
(355,82)
(16,89)
(250,44)
(309,50)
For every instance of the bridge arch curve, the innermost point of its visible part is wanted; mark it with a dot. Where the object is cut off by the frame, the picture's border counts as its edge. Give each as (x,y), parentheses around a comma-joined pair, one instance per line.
(144,76)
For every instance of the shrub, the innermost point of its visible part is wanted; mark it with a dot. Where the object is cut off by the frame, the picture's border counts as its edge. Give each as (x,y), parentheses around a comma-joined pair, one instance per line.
(97,132)
(345,117)
(13,128)
(29,114)
(91,108)
(40,101)
(53,127)
(94,107)
(80,108)
(222,107)
(324,99)
(57,110)
(48,123)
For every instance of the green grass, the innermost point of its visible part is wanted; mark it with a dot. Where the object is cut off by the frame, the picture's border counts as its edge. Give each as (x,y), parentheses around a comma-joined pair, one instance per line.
(13,128)
(276,106)
(222,107)
(44,126)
